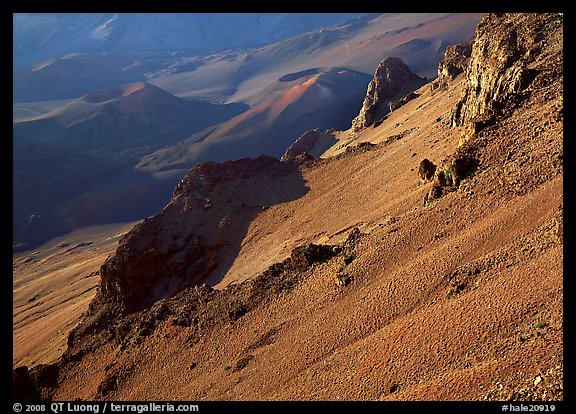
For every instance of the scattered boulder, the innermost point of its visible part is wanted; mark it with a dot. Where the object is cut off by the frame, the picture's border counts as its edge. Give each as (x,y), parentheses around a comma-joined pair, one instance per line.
(357,149)
(426,170)
(343,279)
(448,175)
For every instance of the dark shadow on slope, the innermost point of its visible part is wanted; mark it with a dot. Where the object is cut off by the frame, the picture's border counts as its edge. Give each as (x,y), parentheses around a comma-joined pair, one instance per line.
(198,235)
(56,195)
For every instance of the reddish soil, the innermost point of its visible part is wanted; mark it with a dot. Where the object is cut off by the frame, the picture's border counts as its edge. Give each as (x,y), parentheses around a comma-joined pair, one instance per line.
(460,299)
(52,288)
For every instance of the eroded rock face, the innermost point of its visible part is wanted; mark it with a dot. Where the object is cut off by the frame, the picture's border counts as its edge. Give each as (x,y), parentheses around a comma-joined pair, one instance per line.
(392,80)
(513,55)
(503,64)
(191,238)
(456,59)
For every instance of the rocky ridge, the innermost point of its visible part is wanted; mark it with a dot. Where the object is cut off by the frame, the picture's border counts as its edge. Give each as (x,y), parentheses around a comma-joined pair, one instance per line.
(505,65)
(455,61)
(186,242)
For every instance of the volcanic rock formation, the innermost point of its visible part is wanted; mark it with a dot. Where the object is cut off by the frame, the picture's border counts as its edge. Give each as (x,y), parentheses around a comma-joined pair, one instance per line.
(426,170)
(392,80)
(504,63)
(455,60)
(507,63)
(195,234)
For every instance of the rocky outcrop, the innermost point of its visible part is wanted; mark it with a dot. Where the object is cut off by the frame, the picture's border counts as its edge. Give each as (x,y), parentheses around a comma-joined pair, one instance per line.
(313,143)
(426,170)
(503,66)
(447,176)
(392,80)
(513,55)
(455,61)
(193,237)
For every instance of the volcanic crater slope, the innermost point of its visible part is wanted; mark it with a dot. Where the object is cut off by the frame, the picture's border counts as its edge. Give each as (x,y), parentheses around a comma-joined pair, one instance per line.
(64,158)
(66,180)
(325,98)
(350,278)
